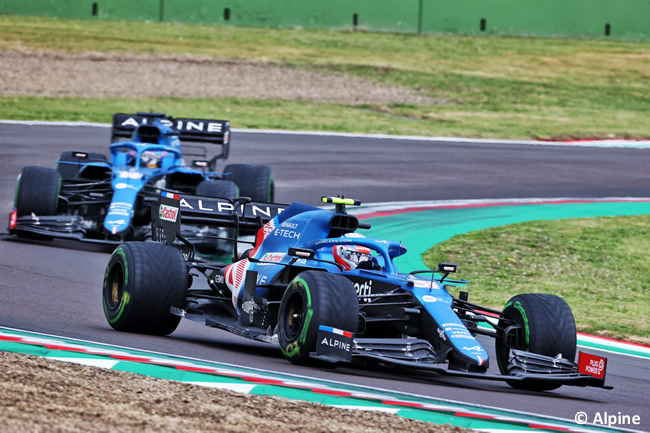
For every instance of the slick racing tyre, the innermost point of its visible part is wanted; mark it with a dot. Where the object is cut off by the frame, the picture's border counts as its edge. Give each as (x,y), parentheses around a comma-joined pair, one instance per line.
(210,243)
(218,188)
(69,165)
(143,281)
(37,191)
(254,181)
(548,328)
(312,299)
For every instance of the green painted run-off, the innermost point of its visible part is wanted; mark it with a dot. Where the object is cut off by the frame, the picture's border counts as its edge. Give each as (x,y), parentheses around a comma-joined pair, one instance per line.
(420,230)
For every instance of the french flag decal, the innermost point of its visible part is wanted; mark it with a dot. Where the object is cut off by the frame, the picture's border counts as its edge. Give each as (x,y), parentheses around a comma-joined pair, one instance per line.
(171,195)
(335,331)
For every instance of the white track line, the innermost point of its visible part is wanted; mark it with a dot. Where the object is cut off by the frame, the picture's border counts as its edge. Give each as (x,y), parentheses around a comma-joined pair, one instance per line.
(613,143)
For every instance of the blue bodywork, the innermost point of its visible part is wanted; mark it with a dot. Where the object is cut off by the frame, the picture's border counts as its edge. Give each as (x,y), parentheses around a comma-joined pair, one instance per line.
(308,227)
(135,163)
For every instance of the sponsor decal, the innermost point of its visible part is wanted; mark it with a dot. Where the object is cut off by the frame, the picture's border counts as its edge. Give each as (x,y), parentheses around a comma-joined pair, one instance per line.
(592,364)
(273,257)
(130,175)
(364,289)
(13,219)
(334,342)
(221,207)
(289,225)
(427,298)
(284,233)
(168,213)
(187,125)
(116,222)
(123,185)
(457,330)
(235,277)
(120,208)
(328,241)
(442,335)
(472,349)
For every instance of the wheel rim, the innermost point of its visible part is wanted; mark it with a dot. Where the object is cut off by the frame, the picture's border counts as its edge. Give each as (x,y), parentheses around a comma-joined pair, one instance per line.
(115,287)
(295,316)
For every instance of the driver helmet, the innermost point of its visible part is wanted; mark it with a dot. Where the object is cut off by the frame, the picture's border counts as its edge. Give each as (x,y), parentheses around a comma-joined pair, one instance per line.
(349,256)
(150,159)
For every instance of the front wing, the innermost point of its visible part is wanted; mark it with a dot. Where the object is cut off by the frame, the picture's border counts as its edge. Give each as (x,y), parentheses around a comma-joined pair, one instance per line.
(59,227)
(419,355)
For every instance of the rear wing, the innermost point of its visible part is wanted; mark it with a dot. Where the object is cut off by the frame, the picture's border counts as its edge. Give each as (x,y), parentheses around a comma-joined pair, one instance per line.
(242,214)
(189,130)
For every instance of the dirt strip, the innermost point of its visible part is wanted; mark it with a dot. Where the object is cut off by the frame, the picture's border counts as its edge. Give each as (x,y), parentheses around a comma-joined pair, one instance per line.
(127,75)
(41,395)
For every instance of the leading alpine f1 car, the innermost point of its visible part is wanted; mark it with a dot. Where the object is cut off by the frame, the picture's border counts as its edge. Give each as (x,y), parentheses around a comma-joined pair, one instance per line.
(93,199)
(326,294)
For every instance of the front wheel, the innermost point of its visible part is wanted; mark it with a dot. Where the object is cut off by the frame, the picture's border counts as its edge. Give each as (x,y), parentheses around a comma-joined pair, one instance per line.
(312,299)
(37,191)
(548,328)
(143,281)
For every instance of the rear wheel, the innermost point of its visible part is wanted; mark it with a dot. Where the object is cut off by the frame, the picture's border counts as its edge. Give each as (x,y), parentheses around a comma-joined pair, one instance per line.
(143,281)
(312,299)
(548,328)
(218,188)
(37,191)
(254,181)
(69,164)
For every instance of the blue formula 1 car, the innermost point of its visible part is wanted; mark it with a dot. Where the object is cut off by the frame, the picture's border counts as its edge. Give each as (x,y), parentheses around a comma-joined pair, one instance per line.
(94,199)
(328,295)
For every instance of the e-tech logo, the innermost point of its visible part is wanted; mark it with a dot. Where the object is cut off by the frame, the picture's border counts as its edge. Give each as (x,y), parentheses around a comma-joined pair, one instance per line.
(364,289)
(291,234)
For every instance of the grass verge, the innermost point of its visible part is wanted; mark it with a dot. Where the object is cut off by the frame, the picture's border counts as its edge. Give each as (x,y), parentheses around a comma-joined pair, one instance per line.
(598,265)
(489,86)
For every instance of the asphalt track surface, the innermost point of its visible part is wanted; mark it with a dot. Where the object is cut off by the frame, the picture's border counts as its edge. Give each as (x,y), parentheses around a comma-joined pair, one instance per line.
(56,288)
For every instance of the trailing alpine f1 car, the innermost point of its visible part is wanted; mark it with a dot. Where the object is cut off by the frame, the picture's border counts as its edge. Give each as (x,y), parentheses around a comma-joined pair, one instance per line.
(94,199)
(326,294)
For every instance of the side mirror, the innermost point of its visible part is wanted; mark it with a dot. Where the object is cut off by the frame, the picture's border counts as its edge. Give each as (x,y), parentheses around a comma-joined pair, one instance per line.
(447,268)
(303,253)
(201,163)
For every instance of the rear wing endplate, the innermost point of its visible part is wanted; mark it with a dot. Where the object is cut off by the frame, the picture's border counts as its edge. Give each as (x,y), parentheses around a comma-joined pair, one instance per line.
(241,214)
